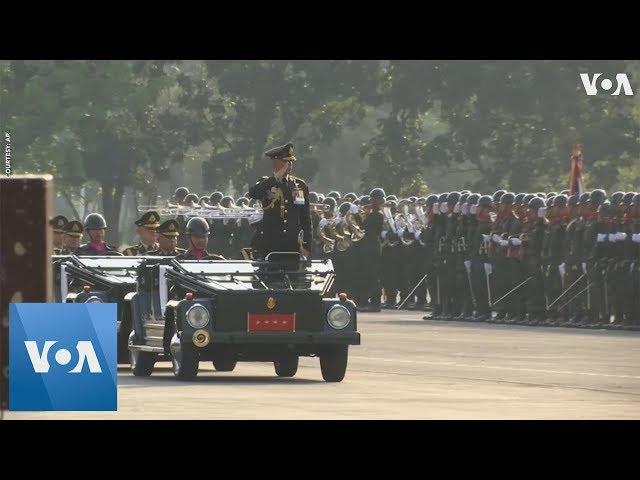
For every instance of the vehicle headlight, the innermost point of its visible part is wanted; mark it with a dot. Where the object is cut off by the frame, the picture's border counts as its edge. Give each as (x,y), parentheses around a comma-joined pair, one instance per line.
(197,316)
(93,299)
(338,317)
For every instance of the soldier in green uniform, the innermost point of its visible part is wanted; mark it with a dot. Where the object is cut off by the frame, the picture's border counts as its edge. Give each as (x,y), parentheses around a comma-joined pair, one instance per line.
(440,248)
(146,228)
(370,270)
(573,262)
(462,300)
(286,224)
(96,226)
(532,236)
(57,223)
(556,273)
(168,232)
(72,236)
(479,240)
(198,239)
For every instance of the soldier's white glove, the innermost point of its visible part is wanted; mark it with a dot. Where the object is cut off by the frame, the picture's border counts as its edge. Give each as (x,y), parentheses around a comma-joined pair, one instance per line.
(515,241)
(436,208)
(622,236)
(635,237)
(542,211)
(416,234)
(602,237)
(504,243)
(488,268)
(584,268)
(486,238)
(562,269)
(400,232)
(456,208)
(383,234)
(323,223)
(354,208)
(467,265)
(473,209)
(496,238)
(444,208)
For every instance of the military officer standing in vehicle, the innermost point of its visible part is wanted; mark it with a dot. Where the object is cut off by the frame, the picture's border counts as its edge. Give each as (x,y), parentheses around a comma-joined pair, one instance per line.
(146,228)
(57,223)
(72,236)
(168,232)
(96,226)
(198,240)
(286,223)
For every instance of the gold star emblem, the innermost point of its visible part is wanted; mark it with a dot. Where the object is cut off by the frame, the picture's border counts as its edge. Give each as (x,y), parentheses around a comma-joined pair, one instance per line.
(152,218)
(290,150)
(75,227)
(171,226)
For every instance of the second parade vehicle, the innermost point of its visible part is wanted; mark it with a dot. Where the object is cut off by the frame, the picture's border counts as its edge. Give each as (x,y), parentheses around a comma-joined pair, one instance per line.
(228,311)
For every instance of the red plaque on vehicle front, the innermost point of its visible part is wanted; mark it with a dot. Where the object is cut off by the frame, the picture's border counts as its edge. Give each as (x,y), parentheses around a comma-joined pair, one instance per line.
(271,322)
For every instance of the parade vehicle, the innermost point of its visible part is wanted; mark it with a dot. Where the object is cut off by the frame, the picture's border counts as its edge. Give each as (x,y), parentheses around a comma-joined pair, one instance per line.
(98,279)
(225,311)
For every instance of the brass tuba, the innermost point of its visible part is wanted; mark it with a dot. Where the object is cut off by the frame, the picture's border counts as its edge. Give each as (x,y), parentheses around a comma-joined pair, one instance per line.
(344,236)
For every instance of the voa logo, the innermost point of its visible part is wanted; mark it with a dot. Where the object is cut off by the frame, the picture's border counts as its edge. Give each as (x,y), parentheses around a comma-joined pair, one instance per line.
(40,358)
(593,84)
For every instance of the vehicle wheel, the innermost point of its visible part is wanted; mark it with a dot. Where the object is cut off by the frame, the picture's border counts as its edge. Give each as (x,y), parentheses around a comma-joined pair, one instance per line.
(123,348)
(142,363)
(225,363)
(333,363)
(184,359)
(286,366)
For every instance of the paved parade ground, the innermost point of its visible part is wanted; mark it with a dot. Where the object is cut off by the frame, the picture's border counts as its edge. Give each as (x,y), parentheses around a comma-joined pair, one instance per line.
(408,368)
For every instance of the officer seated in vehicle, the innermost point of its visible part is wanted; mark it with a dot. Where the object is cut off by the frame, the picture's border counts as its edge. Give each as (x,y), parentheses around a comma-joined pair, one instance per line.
(96,226)
(168,232)
(198,238)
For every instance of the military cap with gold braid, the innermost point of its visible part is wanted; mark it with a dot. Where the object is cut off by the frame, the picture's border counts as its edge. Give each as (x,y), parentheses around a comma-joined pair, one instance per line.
(58,222)
(149,220)
(284,152)
(169,228)
(74,228)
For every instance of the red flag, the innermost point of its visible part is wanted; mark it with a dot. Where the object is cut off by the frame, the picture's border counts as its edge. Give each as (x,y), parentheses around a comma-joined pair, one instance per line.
(575,171)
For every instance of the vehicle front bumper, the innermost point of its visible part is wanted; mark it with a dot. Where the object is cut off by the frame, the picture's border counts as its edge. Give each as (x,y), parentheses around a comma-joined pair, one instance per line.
(289,338)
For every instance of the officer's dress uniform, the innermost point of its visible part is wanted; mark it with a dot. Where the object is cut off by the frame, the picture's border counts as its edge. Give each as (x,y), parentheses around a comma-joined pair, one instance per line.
(162,253)
(286,223)
(532,238)
(188,255)
(139,249)
(372,251)
(480,238)
(150,220)
(88,249)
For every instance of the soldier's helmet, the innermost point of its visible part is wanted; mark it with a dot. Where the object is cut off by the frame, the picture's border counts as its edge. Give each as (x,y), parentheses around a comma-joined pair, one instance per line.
(453,197)
(350,197)
(541,195)
(485,201)
(507,198)
(551,194)
(191,198)
(462,192)
(616,198)
(94,221)
(566,192)
(636,199)
(227,202)
(527,198)
(431,199)
(498,195)
(519,199)
(392,204)
(597,197)
(215,197)
(549,201)
(536,203)
(330,202)
(242,202)
(313,197)
(321,197)
(392,197)
(560,200)
(442,198)
(197,226)
(335,194)
(180,193)
(573,200)
(421,200)
(344,208)
(605,208)
(628,198)
(365,200)
(473,198)
(463,197)
(584,198)
(377,194)
(413,199)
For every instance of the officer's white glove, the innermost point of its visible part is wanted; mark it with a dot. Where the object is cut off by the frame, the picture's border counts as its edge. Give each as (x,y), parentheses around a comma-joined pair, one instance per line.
(635,237)
(562,269)
(504,243)
(602,237)
(486,238)
(488,268)
(456,208)
(622,236)
(473,209)
(436,208)
(542,211)
(584,268)
(467,265)
(383,234)
(444,208)
(255,217)
(515,241)
(496,238)
(416,234)
(323,223)
(354,208)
